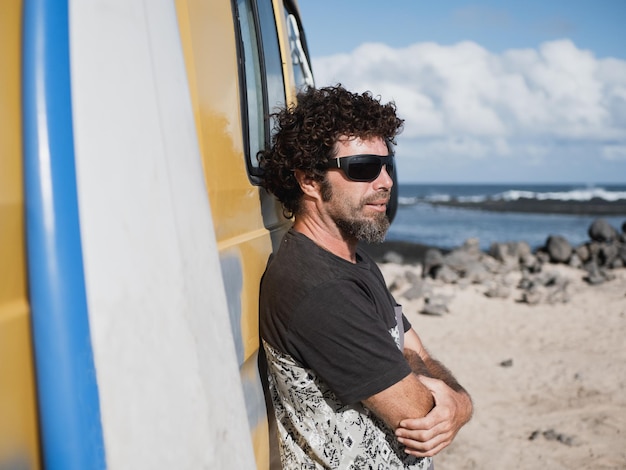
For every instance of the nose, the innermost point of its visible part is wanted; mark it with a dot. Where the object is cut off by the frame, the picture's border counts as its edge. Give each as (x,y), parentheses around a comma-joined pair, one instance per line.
(384,179)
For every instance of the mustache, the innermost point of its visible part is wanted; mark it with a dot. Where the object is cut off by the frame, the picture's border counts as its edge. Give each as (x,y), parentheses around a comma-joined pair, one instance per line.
(384,195)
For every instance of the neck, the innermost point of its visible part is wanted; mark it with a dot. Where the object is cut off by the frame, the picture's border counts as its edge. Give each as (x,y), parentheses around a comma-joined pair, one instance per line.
(332,241)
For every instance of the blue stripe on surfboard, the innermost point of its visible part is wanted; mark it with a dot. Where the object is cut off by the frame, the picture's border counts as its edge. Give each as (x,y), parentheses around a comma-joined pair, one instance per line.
(69,406)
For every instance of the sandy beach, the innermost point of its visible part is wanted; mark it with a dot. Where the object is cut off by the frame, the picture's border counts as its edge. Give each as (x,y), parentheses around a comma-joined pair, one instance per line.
(548,381)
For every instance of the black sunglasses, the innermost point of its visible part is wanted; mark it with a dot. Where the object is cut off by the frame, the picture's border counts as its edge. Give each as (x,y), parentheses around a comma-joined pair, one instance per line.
(363,168)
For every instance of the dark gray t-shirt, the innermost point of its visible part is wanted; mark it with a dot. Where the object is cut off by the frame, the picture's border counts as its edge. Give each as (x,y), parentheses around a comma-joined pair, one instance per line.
(333,317)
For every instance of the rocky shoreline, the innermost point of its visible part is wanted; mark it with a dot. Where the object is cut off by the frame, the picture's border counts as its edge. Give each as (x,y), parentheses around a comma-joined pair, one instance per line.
(506,269)
(595,206)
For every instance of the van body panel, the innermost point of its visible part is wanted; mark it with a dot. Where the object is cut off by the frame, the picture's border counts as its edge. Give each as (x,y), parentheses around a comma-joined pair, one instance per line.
(19,442)
(210,51)
(129,334)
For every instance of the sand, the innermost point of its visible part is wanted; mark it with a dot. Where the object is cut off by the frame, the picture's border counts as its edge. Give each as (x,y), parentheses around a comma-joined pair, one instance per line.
(548,381)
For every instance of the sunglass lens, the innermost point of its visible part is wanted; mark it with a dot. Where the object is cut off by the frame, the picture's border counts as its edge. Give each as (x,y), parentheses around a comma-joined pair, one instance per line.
(365,170)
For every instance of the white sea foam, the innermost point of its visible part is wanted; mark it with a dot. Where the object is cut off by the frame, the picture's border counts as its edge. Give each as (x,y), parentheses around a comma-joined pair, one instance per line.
(585,194)
(577,194)
(407,201)
(478,198)
(438,198)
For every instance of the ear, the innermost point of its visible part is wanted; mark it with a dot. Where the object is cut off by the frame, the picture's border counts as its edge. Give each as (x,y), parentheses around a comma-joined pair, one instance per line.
(308,185)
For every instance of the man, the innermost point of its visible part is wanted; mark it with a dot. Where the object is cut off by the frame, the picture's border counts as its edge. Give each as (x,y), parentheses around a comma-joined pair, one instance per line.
(351,384)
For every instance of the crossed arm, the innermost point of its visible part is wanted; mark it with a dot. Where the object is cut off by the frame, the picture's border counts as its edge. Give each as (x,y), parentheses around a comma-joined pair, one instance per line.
(428,407)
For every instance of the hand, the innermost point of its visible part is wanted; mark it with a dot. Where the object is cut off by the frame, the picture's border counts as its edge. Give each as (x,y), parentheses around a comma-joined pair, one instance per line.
(427,436)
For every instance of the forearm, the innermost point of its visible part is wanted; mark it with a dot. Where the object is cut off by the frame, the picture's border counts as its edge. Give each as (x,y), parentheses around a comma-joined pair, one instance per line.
(438,371)
(428,367)
(409,398)
(425,437)
(441,372)
(417,364)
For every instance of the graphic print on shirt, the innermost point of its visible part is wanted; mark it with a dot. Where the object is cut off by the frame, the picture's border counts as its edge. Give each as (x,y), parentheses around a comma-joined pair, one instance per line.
(317,431)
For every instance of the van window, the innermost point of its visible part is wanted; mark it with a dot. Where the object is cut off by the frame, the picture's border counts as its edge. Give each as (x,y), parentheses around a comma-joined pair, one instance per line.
(253,107)
(271,52)
(301,67)
(262,74)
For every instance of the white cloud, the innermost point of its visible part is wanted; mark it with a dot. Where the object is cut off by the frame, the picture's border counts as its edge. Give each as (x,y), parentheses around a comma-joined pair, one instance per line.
(462,101)
(614,152)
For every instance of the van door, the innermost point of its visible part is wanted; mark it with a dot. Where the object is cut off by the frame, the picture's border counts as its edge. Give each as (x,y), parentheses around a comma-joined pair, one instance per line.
(243,61)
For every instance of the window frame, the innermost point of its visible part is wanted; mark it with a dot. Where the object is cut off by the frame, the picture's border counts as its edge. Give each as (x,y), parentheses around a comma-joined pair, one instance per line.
(291,12)
(254,172)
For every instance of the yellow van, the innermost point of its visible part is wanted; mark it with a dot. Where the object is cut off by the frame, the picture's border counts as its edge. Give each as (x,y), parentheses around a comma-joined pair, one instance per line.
(133,230)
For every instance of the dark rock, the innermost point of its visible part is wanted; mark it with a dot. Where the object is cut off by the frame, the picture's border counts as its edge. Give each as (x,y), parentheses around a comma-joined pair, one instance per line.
(558,249)
(607,253)
(393,257)
(583,253)
(533,296)
(544,287)
(433,260)
(434,310)
(542,256)
(601,231)
(497,291)
(435,306)
(504,252)
(593,277)
(458,260)
(522,249)
(416,290)
(394,286)
(446,274)
(491,264)
(411,276)
(499,251)
(530,263)
(575,261)
(506,363)
(552,435)
(548,279)
(594,249)
(514,250)
(472,246)
(558,295)
(396,283)
(476,272)
(525,283)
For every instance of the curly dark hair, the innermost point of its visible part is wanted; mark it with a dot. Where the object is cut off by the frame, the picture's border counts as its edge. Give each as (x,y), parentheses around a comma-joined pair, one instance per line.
(306,133)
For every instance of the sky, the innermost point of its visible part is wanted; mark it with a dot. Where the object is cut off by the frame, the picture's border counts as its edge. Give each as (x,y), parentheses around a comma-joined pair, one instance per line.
(490,91)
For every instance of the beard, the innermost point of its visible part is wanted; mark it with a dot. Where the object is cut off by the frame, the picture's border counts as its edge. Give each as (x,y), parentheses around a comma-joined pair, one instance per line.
(367,229)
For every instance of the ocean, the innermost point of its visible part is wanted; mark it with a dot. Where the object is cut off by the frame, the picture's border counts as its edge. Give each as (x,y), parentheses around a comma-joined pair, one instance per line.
(420,219)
